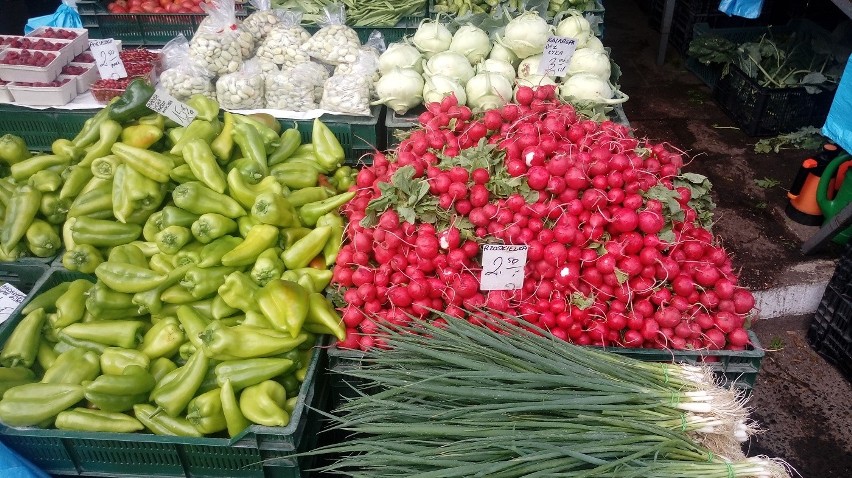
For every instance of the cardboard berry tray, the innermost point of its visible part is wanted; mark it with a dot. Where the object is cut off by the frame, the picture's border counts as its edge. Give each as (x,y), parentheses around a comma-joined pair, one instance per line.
(29,73)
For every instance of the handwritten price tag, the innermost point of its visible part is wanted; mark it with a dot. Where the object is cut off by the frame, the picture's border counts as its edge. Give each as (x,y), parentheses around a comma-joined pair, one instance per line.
(557,56)
(10,299)
(106,56)
(502,267)
(165,104)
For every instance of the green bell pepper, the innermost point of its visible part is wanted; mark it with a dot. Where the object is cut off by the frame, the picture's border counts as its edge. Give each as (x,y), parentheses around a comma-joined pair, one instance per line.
(74,366)
(53,208)
(151,164)
(198,129)
(13,149)
(42,238)
(87,420)
(127,277)
(274,209)
(288,143)
(103,233)
(109,132)
(205,412)
(221,342)
(327,149)
(163,339)
(239,291)
(71,305)
(35,403)
(22,209)
(204,282)
(121,333)
(22,345)
(205,107)
(160,368)
(264,404)
(223,145)
(172,238)
(163,424)
(174,392)
(251,145)
(202,162)
(211,226)
(322,318)
(13,376)
(258,239)
(267,267)
(199,199)
(304,196)
(83,258)
(295,176)
(311,212)
(245,192)
(131,104)
(335,240)
(193,324)
(285,304)
(46,180)
(248,372)
(141,135)
(307,248)
(234,418)
(212,253)
(23,170)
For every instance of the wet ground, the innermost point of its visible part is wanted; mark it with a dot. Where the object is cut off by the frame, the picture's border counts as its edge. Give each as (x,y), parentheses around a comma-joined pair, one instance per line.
(803,402)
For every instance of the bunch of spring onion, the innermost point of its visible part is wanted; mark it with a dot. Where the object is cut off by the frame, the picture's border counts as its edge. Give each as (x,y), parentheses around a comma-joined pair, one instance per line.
(455,399)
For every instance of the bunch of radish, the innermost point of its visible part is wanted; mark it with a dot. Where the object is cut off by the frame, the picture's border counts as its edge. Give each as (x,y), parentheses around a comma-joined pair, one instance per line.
(609,262)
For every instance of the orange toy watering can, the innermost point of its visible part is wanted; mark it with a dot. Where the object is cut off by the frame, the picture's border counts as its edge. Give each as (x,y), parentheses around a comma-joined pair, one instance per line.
(834,192)
(803,206)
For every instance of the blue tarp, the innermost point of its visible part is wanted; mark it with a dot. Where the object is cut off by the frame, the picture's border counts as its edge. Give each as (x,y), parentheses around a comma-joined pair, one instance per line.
(13,466)
(838,125)
(741,8)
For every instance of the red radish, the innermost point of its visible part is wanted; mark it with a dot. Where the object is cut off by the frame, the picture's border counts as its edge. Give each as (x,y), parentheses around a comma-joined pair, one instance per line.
(743,301)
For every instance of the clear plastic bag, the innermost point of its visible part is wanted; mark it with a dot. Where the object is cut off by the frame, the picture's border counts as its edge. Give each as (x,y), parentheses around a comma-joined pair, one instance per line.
(334,43)
(366,66)
(261,21)
(215,47)
(295,89)
(347,94)
(180,77)
(242,90)
(284,44)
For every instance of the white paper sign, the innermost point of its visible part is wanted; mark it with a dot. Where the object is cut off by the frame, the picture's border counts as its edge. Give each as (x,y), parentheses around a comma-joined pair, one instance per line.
(106,56)
(10,299)
(557,55)
(502,267)
(165,104)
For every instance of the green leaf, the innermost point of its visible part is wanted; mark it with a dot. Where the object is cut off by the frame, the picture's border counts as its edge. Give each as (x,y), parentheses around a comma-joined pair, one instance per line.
(406,214)
(767,183)
(581,301)
(667,235)
(621,276)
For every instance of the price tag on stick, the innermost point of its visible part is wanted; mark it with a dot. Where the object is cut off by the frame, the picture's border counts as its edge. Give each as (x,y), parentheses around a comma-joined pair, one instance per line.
(502,267)
(10,299)
(106,58)
(167,105)
(557,56)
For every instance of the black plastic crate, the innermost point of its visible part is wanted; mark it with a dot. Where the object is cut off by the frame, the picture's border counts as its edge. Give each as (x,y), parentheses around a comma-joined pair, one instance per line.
(761,111)
(830,332)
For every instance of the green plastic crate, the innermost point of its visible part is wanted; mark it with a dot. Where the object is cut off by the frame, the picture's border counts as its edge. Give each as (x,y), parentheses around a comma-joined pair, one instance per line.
(732,368)
(24,276)
(258,452)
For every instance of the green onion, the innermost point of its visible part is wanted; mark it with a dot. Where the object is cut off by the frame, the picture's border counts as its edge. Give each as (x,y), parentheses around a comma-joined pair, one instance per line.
(461,400)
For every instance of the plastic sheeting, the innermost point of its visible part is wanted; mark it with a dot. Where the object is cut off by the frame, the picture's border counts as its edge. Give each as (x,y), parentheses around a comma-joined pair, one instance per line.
(838,124)
(741,8)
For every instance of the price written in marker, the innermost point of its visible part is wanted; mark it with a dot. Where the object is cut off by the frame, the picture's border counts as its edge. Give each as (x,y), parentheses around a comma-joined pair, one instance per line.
(164,103)
(502,267)
(107,60)
(557,56)
(10,299)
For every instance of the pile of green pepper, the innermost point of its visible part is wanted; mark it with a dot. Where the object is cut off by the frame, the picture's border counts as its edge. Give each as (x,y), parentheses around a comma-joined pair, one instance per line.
(209,247)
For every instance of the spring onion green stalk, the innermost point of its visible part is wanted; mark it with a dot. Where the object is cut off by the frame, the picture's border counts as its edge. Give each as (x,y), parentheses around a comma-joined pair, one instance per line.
(462,400)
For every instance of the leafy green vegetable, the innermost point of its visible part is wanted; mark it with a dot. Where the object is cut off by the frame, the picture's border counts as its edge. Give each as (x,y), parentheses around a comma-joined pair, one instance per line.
(808,138)
(767,183)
